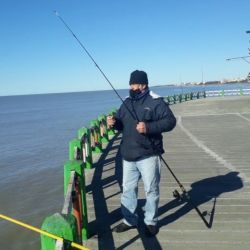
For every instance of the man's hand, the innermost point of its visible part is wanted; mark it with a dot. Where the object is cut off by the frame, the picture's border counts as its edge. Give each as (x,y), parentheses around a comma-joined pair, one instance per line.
(141,127)
(110,121)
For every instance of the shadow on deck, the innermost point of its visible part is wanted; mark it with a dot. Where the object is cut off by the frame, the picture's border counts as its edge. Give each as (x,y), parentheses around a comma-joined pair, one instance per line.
(108,174)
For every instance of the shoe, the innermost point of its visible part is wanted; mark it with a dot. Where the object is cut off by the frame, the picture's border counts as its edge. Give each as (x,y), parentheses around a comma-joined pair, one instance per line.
(122,228)
(151,230)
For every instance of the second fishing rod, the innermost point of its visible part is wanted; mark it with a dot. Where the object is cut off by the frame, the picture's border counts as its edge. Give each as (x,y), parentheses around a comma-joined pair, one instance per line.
(176,194)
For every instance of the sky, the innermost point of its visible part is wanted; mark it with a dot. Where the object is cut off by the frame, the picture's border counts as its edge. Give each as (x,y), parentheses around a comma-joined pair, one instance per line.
(174,41)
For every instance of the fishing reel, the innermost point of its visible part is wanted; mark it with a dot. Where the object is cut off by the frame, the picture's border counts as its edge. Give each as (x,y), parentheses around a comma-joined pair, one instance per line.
(180,197)
(177,195)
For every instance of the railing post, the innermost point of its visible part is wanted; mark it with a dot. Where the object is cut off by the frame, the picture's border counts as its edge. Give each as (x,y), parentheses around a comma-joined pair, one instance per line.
(60,225)
(75,149)
(180,97)
(103,128)
(95,138)
(167,98)
(84,136)
(175,99)
(78,167)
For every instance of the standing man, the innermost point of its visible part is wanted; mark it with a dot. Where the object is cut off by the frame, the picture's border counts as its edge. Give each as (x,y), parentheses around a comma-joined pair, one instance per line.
(142,118)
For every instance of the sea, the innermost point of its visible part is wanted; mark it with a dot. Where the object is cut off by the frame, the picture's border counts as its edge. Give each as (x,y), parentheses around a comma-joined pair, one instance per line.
(35,131)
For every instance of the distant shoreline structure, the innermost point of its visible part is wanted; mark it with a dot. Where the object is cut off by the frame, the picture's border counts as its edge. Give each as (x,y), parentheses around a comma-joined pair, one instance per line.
(223,82)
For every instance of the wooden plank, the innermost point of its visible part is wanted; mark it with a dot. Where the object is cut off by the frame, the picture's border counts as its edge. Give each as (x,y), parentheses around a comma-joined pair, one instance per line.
(67,206)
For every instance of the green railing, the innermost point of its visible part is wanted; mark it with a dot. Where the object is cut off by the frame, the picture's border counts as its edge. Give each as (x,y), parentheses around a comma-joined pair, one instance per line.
(228,92)
(72,222)
(185,97)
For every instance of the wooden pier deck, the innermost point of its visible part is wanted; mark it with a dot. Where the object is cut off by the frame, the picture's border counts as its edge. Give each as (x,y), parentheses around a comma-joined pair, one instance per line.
(209,151)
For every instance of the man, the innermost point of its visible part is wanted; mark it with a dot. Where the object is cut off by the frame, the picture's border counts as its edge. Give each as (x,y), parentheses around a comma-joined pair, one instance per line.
(142,118)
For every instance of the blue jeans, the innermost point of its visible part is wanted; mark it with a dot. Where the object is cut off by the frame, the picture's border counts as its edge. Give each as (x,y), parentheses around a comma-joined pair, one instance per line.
(149,170)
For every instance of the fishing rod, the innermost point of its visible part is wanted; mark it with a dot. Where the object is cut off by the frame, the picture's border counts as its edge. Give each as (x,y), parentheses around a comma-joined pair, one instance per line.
(175,193)
(35,229)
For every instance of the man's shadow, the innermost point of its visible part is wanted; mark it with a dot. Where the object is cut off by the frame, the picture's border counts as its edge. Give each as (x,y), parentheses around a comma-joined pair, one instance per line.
(200,193)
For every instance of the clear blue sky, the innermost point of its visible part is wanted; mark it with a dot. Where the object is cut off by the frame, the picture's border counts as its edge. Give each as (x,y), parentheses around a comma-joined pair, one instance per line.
(172,40)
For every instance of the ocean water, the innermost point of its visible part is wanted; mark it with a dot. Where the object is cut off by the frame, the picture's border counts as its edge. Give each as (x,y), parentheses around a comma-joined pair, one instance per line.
(34,134)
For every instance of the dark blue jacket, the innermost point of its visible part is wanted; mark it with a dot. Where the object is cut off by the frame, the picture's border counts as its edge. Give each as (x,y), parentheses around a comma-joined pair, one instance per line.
(158,117)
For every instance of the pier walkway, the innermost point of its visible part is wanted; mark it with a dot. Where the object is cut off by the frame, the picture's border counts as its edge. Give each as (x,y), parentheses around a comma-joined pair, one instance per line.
(209,151)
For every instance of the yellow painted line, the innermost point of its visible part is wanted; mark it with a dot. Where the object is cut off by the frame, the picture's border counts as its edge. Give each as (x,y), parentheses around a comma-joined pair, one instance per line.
(73,244)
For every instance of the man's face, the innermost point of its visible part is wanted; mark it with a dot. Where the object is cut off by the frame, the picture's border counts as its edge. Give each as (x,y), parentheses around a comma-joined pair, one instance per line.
(137,86)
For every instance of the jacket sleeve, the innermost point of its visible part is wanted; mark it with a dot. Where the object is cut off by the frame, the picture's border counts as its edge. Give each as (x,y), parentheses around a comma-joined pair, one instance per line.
(164,119)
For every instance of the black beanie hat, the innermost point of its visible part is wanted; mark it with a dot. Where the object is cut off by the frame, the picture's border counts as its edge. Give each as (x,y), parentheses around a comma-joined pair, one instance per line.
(138,76)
